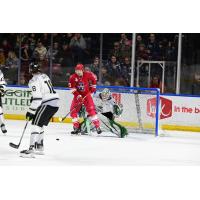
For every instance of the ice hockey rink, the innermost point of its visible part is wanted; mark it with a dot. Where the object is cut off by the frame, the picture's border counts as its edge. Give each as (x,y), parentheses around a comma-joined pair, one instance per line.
(175,148)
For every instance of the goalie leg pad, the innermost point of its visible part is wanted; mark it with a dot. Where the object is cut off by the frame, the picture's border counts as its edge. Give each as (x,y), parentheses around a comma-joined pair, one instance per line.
(85,126)
(123,130)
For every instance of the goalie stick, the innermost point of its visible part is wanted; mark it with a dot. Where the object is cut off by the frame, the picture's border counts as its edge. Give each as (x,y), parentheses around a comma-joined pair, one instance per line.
(16,146)
(118,134)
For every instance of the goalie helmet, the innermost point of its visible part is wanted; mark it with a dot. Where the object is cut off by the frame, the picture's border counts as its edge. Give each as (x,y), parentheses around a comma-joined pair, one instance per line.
(34,68)
(105,94)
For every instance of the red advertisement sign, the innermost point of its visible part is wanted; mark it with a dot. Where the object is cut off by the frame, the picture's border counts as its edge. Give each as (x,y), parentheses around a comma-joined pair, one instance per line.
(165,107)
(117,97)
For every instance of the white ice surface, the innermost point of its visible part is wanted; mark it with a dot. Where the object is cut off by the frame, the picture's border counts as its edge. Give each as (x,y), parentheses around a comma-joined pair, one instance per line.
(176,148)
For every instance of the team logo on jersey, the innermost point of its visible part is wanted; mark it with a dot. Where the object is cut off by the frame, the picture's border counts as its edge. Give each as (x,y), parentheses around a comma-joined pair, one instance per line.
(165,107)
(80,86)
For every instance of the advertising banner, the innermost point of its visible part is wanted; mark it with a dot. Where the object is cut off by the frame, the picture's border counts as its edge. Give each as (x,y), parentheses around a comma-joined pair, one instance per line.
(174,110)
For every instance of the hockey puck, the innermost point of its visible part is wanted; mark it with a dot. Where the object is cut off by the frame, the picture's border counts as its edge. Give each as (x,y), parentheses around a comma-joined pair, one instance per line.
(57,139)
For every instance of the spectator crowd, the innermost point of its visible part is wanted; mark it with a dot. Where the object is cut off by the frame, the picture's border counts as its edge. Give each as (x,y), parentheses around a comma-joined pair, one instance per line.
(116,69)
(64,51)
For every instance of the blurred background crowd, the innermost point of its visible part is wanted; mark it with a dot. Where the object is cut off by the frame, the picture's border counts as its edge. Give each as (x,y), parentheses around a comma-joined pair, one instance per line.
(108,55)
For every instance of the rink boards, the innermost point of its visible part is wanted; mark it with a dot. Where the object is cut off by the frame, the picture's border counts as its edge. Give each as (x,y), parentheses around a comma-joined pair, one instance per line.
(176,112)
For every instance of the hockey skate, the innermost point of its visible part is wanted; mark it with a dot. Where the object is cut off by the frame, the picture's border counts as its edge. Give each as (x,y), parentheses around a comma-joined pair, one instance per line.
(29,153)
(39,148)
(76,131)
(99,131)
(3,128)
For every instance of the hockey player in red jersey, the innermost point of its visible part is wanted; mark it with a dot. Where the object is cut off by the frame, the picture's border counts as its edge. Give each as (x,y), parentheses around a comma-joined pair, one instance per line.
(83,84)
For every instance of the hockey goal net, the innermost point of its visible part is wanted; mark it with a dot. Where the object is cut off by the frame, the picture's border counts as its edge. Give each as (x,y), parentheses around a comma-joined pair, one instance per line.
(140,108)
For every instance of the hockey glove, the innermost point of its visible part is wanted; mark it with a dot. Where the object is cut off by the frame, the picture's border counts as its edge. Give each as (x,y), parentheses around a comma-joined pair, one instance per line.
(2,90)
(29,116)
(117,110)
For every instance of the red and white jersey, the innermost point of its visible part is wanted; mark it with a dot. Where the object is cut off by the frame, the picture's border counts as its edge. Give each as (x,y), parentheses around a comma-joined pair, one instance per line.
(82,85)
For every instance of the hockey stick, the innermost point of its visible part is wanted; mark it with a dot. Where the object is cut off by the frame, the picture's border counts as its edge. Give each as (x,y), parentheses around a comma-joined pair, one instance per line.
(61,119)
(16,146)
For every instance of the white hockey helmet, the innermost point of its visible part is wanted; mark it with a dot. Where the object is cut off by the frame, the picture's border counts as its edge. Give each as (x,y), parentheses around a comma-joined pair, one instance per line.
(105,94)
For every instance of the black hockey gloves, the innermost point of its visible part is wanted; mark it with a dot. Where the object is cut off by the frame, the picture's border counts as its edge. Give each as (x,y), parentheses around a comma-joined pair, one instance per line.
(29,116)
(2,90)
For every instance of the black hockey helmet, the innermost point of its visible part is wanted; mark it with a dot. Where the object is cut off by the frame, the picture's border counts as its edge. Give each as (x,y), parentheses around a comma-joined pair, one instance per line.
(34,68)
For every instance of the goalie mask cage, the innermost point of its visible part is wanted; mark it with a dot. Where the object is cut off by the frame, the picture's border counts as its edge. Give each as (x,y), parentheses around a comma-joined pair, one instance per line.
(140,108)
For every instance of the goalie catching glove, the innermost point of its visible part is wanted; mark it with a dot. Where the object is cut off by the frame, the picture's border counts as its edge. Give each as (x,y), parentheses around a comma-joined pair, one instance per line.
(117,109)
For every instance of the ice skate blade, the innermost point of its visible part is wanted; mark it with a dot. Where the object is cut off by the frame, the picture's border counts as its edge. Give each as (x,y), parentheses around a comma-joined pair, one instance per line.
(27,155)
(39,152)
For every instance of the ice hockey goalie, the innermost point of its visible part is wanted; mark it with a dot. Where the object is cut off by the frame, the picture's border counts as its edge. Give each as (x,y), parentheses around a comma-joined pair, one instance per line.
(108,110)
